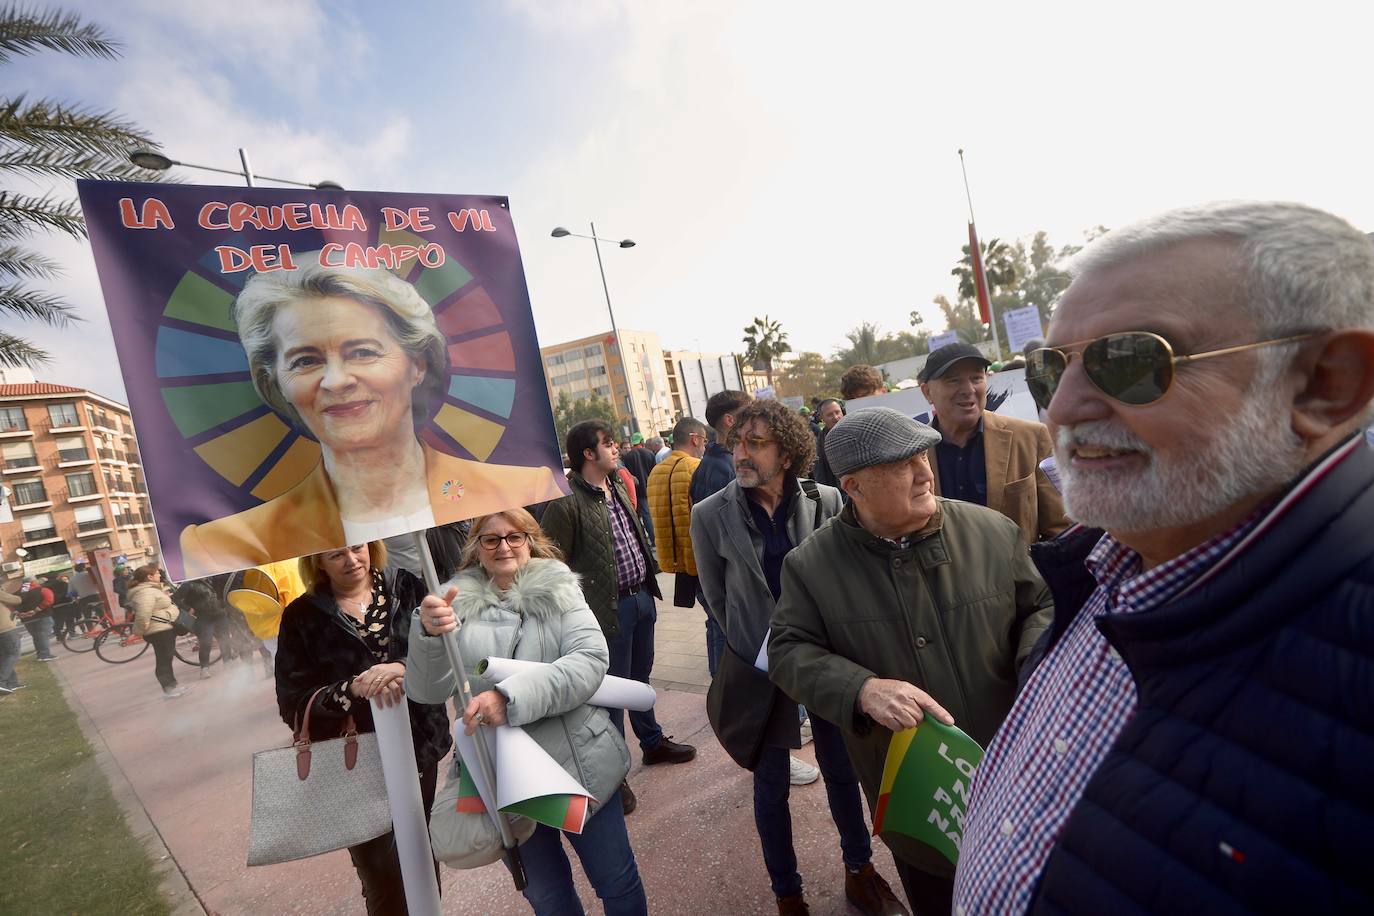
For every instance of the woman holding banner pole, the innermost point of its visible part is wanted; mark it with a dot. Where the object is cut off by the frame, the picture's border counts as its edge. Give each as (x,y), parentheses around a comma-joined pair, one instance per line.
(518,600)
(348,633)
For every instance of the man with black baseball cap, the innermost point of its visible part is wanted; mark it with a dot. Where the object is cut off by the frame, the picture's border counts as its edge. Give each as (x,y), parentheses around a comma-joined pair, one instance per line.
(936,606)
(983,457)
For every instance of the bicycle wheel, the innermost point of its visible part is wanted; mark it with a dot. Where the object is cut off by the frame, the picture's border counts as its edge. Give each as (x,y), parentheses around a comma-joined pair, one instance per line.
(82,634)
(120,644)
(187,648)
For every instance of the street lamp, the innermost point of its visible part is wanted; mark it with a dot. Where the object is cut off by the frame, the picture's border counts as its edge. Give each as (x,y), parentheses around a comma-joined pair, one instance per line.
(558,233)
(157,162)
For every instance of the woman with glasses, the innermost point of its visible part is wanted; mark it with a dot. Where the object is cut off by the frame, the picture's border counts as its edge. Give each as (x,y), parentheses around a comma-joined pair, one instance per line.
(517,599)
(341,645)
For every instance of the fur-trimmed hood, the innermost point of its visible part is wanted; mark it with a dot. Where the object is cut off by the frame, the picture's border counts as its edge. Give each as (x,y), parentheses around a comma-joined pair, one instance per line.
(543,589)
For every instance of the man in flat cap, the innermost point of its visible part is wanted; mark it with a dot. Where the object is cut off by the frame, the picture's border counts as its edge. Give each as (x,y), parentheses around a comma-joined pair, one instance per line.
(983,457)
(906,605)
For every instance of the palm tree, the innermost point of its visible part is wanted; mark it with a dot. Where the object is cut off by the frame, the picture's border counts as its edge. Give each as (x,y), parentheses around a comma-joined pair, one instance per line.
(46,140)
(1001,266)
(764,341)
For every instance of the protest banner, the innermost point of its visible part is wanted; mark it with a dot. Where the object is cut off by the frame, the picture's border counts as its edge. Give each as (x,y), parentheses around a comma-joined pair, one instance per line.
(944,338)
(1022,325)
(925,785)
(528,781)
(311,369)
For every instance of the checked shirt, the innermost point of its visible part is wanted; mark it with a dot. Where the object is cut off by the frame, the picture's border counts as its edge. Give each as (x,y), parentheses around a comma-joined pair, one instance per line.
(1062,726)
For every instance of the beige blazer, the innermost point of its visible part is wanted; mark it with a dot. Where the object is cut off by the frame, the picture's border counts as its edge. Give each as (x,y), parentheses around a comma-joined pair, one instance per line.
(305,519)
(1012,452)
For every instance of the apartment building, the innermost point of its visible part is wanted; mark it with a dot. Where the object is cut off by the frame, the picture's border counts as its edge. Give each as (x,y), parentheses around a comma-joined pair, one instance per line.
(71,479)
(637,384)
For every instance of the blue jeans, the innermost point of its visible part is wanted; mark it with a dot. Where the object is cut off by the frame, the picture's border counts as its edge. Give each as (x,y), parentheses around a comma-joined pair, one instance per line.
(41,631)
(9,656)
(773,818)
(603,847)
(715,638)
(632,656)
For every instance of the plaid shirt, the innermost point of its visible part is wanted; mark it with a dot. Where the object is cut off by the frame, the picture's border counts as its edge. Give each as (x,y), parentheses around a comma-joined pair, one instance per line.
(1061,728)
(630,567)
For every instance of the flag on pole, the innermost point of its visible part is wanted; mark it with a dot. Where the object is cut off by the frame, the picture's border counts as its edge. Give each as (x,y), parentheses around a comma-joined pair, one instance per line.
(980,277)
(925,785)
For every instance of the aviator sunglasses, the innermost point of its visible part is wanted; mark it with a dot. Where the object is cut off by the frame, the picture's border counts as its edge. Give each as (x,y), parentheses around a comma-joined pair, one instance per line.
(1133,367)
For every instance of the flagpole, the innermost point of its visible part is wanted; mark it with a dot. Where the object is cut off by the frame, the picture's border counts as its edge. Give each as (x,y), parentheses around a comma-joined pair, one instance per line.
(975,258)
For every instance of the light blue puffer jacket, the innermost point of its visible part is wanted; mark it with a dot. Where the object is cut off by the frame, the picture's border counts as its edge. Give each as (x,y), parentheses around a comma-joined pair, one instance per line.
(542,617)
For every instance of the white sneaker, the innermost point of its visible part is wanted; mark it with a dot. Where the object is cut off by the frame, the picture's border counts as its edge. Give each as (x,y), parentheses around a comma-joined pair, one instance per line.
(174,693)
(803,773)
(205,674)
(806,731)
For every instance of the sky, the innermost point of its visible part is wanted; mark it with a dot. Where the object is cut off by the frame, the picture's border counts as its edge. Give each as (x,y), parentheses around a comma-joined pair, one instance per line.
(790,159)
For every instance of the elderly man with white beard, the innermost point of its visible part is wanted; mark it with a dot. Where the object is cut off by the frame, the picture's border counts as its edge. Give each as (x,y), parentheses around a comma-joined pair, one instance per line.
(1198,734)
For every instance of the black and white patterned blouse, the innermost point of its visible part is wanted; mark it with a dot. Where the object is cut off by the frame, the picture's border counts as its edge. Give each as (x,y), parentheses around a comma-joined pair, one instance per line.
(375,632)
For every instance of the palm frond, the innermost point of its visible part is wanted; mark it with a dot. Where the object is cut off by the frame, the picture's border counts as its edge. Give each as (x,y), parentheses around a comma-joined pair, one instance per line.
(65,163)
(20,213)
(36,306)
(26,30)
(16,352)
(20,262)
(45,124)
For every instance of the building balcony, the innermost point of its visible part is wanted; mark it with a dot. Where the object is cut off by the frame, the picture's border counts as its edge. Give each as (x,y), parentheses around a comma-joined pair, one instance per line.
(40,536)
(22,465)
(42,504)
(16,432)
(57,427)
(102,528)
(84,496)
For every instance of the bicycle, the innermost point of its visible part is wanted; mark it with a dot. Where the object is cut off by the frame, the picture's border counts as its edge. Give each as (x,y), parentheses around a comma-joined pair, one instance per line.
(187,648)
(119,644)
(83,632)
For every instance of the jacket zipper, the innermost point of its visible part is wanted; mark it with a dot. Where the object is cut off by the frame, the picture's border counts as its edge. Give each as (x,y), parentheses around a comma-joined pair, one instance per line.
(563,721)
(944,638)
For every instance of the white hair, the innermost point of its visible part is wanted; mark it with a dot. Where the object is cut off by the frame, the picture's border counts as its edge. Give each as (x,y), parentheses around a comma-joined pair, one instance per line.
(408,316)
(1305,269)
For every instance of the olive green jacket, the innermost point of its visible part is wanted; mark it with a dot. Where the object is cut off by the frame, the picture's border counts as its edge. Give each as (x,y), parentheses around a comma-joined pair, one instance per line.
(954,613)
(580,524)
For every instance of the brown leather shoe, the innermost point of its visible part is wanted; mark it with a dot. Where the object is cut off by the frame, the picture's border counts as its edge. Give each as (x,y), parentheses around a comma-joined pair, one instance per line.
(793,906)
(868,891)
(628,802)
(669,751)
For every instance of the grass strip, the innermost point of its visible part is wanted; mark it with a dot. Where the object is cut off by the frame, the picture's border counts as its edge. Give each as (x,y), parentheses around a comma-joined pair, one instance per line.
(69,849)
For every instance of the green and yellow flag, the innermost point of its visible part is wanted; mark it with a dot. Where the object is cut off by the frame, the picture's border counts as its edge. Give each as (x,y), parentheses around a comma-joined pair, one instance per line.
(924,792)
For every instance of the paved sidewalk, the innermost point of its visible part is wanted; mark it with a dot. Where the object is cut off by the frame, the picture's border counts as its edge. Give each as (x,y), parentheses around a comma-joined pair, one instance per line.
(186,767)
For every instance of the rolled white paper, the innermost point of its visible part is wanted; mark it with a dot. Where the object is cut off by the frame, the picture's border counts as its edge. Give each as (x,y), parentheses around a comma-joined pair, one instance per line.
(614,692)
(407,808)
(1051,469)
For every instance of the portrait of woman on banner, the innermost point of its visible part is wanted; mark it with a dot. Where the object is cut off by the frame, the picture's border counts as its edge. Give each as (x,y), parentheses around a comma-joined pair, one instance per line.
(353,357)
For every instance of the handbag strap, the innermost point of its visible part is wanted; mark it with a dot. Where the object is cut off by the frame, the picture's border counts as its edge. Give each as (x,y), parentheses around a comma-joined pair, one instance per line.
(301,731)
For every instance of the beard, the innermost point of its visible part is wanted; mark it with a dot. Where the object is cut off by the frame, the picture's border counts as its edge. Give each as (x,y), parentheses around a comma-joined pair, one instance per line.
(1255,452)
(750,477)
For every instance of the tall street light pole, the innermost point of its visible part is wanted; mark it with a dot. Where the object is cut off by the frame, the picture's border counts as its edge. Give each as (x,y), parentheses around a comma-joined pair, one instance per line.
(558,233)
(157,162)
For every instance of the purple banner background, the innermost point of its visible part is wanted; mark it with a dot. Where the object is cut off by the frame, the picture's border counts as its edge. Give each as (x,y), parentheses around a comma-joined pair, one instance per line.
(140,269)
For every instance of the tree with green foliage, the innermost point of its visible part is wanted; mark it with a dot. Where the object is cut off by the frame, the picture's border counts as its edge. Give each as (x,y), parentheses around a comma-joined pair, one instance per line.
(764,341)
(41,141)
(568,412)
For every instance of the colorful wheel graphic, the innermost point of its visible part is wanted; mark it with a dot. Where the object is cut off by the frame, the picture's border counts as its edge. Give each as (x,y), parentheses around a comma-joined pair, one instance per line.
(203,373)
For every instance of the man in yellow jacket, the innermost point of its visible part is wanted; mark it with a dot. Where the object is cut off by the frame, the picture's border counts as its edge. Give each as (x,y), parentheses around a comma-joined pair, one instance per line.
(670,507)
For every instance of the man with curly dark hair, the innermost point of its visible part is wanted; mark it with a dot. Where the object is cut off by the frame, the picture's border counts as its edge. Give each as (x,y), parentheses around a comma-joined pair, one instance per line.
(740,536)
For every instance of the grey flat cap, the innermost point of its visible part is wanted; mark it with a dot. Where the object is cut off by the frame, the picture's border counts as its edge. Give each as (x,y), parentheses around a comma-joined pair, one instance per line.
(876,435)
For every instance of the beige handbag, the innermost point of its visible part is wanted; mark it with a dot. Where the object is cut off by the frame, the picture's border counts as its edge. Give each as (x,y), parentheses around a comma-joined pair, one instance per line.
(312,798)
(462,839)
